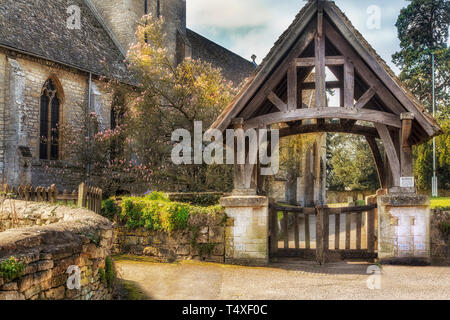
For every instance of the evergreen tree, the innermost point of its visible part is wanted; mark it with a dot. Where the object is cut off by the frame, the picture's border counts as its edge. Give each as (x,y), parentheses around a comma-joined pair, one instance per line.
(423,29)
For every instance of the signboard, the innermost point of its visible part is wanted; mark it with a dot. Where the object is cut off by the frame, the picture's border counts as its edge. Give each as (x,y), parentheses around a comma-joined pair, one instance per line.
(407,182)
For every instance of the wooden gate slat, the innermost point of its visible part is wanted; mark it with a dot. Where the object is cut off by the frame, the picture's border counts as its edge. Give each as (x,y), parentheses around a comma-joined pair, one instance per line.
(348,223)
(285,229)
(337,230)
(358,230)
(296,234)
(307,235)
(326,232)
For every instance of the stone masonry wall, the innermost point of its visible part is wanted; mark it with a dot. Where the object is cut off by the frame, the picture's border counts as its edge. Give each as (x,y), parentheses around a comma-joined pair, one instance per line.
(21,82)
(203,240)
(440,242)
(61,237)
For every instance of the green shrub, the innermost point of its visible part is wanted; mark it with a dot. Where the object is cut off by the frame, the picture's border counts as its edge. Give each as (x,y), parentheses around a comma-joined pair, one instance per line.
(160,214)
(11,269)
(156,196)
(110,209)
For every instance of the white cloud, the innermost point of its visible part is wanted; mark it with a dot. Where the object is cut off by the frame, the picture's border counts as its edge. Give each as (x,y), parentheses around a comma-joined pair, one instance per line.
(228,14)
(252,26)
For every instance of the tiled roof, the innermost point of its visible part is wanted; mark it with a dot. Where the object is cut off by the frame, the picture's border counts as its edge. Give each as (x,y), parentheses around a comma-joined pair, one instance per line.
(39,28)
(234,67)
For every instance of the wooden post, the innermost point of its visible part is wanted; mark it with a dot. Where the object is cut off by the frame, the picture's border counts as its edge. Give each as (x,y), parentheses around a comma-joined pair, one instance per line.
(292,86)
(406,156)
(319,235)
(82,195)
(349,84)
(53,193)
(371,231)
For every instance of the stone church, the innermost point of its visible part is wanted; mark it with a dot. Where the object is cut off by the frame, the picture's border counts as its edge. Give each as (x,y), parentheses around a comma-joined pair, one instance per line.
(48,68)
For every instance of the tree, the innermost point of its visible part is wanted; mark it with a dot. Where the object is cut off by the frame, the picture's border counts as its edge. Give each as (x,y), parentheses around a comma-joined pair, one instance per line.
(350,165)
(169,97)
(423,29)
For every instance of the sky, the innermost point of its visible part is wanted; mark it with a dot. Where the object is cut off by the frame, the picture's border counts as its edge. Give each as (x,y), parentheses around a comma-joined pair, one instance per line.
(249,27)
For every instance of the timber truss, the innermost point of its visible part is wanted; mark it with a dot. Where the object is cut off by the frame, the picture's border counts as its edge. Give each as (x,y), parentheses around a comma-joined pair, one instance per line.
(373,102)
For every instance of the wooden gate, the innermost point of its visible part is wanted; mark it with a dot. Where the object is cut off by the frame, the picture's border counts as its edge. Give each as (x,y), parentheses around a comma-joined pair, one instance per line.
(305,232)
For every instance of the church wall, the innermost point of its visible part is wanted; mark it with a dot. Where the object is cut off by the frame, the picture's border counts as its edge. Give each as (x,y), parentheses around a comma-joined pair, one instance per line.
(2,105)
(32,75)
(121,16)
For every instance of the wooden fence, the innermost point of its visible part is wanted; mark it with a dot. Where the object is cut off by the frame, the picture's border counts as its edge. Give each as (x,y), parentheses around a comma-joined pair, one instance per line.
(86,196)
(285,227)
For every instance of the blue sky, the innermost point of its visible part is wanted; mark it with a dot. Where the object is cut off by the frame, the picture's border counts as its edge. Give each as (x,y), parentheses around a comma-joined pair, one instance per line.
(252,26)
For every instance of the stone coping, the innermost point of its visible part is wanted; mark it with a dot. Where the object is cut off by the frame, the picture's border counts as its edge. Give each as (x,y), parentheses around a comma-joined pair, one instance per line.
(244,201)
(71,226)
(404,200)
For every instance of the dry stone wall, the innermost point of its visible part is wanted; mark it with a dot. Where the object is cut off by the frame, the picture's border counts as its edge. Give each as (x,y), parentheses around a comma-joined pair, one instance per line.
(203,240)
(56,238)
(440,236)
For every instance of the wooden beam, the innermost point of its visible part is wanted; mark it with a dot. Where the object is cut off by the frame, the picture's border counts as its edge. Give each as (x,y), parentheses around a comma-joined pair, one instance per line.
(324,113)
(329,61)
(406,156)
(349,84)
(380,71)
(378,161)
(277,102)
(305,62)
(321,97)
(383,93)
(366,97)
(264,87)
(390,150)
(292,87)
(334,61)
(329,85)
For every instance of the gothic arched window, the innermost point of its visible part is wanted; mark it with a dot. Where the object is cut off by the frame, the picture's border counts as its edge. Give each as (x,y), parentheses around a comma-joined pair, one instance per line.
(49,121)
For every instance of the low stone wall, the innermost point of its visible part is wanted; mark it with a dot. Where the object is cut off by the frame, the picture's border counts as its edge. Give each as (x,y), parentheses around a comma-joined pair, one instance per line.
(204,239)
(440,241)
(61,237)
(343,196)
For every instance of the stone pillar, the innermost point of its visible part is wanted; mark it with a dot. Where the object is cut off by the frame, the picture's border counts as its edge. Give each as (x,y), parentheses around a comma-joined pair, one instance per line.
(247,229)
(404,228)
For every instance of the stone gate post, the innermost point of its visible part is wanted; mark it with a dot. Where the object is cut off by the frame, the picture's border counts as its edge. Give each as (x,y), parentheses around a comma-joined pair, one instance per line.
(247,230)
(404,228)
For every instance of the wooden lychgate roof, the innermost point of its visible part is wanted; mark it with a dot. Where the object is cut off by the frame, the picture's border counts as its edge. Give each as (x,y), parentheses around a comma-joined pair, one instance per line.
(322,37)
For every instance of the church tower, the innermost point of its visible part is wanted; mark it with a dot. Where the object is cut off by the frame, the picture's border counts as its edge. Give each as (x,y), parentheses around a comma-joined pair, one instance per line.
(122,16)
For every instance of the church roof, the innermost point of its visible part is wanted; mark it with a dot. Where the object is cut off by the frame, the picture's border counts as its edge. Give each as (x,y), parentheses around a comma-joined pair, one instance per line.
(343,25)
(39,28)
(234,67)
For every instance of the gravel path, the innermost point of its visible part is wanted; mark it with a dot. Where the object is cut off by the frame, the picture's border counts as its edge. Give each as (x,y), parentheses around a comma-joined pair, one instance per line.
(284,280)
